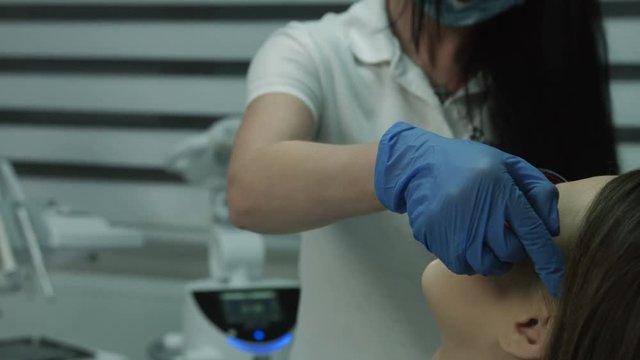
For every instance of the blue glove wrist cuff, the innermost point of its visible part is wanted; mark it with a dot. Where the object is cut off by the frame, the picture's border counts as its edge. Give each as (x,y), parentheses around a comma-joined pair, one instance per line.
(396,155)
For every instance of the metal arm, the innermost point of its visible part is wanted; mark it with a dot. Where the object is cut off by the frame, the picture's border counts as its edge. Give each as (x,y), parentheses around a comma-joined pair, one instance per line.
(14,196)
(8,267)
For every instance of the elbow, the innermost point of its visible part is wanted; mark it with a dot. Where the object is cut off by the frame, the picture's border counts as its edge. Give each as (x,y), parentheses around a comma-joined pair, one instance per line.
(242,206)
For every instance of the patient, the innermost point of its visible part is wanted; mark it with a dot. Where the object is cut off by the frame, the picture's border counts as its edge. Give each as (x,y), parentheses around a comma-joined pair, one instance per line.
(513,317)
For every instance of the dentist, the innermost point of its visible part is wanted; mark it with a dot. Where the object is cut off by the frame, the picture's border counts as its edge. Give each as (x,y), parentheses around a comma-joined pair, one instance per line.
(480,85)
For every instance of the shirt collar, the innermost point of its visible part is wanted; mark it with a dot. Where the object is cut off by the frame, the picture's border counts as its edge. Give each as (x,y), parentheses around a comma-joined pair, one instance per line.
(372,41)
(369,32)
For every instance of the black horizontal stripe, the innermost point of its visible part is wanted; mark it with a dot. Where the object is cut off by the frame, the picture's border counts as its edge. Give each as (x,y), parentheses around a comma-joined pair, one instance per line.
(70,12)
(625,72)
(621,8)
(163,12)
(629,134)
(105,119)
(157,121)
(131,174)
(94,172)
(122,66)
(175,67)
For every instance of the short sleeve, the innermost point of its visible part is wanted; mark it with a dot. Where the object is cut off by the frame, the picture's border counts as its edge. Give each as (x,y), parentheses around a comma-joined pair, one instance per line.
(285,64)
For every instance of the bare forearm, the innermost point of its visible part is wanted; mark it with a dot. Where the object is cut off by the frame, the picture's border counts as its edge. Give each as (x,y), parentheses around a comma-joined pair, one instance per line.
(292,186)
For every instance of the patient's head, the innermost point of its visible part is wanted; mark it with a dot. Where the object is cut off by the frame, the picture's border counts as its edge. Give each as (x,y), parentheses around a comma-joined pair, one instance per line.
(513,317)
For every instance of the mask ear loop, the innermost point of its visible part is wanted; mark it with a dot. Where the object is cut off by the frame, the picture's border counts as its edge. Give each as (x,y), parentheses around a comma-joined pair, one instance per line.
(553,176)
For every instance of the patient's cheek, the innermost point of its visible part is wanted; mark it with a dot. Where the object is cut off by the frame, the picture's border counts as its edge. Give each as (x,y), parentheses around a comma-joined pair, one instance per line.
(440,286)
(461,304)
(439,283)
(430,277)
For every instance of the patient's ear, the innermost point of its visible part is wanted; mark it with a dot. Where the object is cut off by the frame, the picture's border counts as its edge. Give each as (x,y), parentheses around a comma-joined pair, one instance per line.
(526,337)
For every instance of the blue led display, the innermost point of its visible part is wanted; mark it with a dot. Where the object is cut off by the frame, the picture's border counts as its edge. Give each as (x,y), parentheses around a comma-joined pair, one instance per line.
(259,335)
(260,348)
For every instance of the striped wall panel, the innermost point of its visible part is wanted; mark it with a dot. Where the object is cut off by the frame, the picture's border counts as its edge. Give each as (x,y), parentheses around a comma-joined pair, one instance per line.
(629,155)
(102,91)
(622,35)
(187,96)
(155,40)
(141,148)
(193,40)
(624,97)
(134,94)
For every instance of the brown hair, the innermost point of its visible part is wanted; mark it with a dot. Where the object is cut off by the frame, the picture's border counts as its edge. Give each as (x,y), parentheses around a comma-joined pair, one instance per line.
(598,316)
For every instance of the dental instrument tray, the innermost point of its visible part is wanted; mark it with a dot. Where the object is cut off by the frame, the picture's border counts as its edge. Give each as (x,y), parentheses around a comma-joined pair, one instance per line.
(40,348)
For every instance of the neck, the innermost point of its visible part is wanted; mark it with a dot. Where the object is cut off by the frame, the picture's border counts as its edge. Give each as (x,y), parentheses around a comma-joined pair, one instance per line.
(465,353)
(441,53)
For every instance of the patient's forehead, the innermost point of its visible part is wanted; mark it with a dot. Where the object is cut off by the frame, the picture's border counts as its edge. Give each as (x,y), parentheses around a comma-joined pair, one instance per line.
(574,201)
(581,192)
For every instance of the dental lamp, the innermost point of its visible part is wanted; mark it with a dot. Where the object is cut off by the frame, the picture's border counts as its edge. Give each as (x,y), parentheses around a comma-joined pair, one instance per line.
(236,314)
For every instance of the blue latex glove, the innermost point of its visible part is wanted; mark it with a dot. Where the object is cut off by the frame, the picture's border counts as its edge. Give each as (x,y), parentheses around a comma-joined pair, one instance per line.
(460,194)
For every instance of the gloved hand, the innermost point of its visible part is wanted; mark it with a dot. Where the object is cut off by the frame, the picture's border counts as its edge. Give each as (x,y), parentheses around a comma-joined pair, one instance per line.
(460,195)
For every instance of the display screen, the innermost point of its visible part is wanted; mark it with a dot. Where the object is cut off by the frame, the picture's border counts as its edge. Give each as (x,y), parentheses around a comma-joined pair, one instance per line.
(251,308)
(253,315)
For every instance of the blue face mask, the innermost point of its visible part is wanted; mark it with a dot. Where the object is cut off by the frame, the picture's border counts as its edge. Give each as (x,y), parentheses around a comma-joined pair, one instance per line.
(469,12)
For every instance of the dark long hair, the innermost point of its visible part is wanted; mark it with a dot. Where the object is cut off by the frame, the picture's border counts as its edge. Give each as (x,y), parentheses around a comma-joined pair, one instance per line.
(599,313)
(549,101)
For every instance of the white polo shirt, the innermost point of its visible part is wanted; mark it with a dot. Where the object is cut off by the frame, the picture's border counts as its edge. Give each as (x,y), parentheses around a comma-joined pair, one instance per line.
(361,293)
